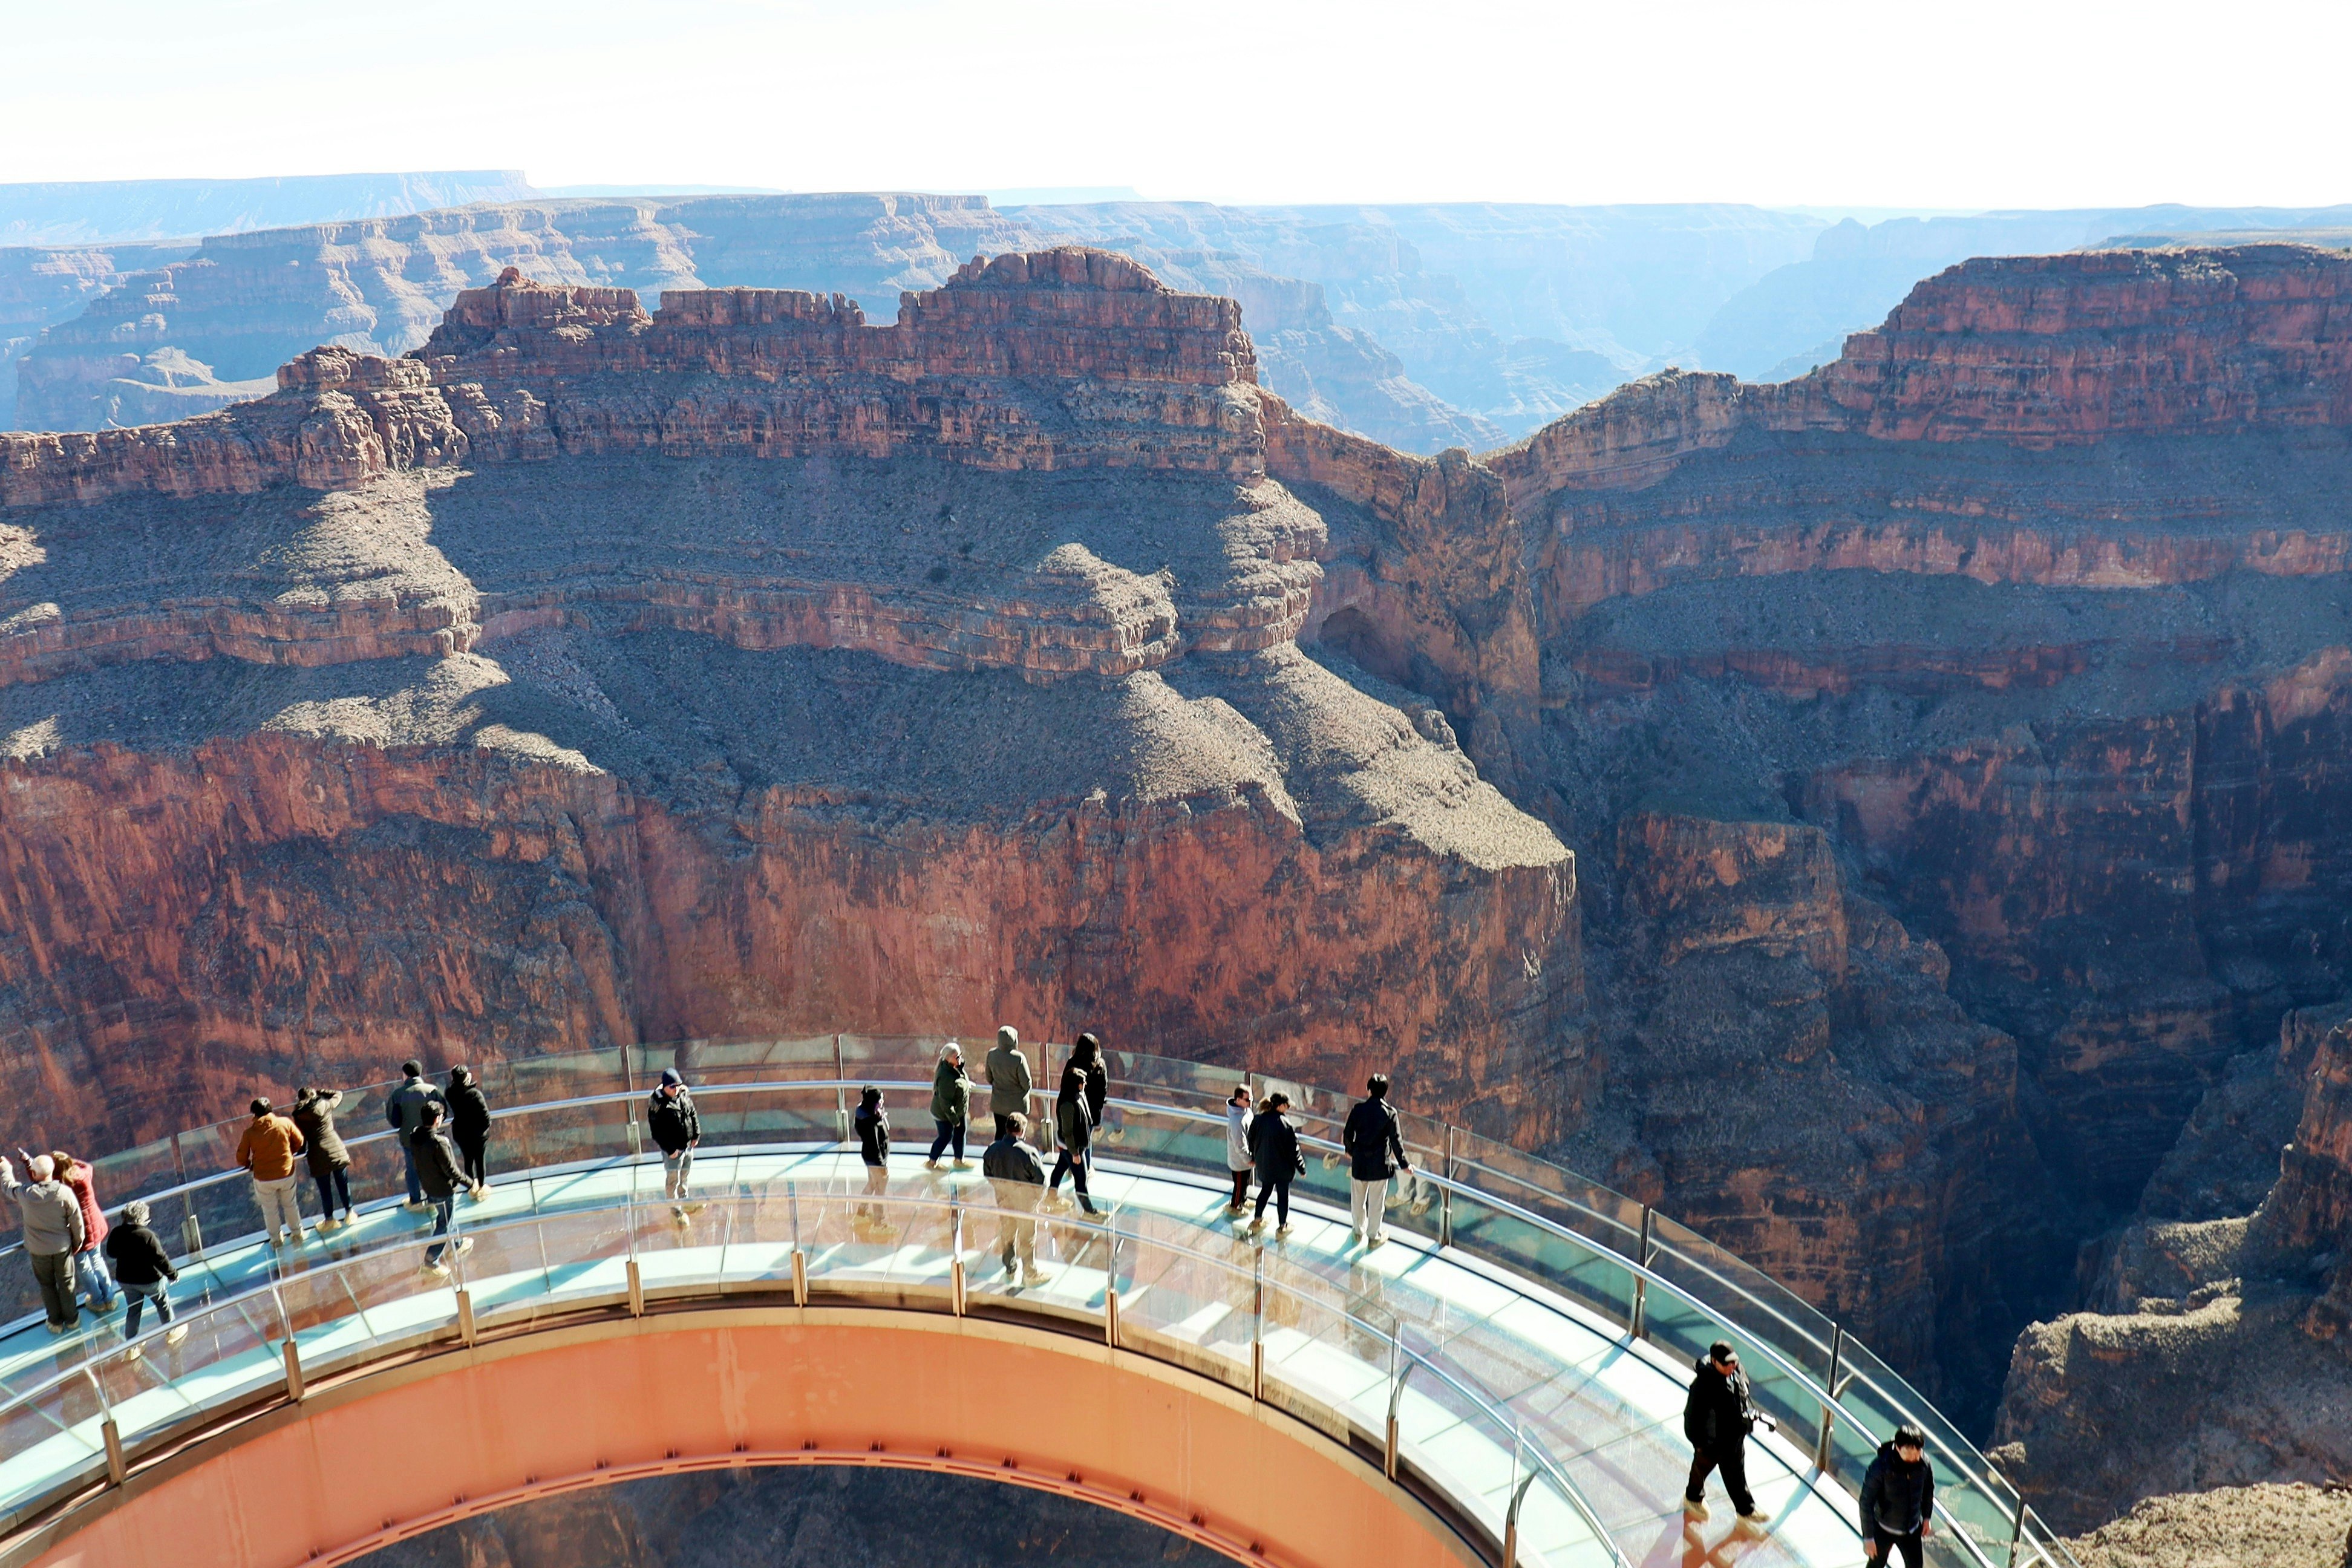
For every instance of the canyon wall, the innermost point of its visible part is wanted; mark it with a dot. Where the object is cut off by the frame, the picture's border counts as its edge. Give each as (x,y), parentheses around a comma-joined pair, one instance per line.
(735,668)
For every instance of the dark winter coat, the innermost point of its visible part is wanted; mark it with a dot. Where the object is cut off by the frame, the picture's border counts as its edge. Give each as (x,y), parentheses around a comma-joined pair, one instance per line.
(139,1256)
(1273,1147)
(1718,1414)
(873,1135)
(1008,1077)
(1074,1116)
(1897,1497)
(405,1108)
(951,1093)
(437,1165)
(469,1115)
(322,1145)
(673,1122)
(1375,1148)
(1011,1160)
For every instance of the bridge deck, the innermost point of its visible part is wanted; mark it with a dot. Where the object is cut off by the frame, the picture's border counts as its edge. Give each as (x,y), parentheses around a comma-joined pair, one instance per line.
(1606,1408)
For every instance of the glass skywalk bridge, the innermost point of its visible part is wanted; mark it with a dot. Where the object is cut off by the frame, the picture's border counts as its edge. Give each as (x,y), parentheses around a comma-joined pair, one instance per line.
(1517,1356)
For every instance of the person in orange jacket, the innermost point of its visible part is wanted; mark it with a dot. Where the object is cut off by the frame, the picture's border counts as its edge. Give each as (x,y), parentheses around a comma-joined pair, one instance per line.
(266,1151)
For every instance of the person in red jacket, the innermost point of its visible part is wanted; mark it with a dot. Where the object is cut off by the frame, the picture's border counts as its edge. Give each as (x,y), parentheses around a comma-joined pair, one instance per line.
(90,1263)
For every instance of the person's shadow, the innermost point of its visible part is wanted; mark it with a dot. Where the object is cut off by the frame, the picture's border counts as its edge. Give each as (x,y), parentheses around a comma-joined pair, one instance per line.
(1685,1545)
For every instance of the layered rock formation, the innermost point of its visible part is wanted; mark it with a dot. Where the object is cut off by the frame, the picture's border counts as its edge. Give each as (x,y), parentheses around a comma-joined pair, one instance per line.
(735,668)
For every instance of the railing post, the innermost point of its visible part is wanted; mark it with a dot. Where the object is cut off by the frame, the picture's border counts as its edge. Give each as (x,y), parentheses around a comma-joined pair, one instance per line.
(799,1257)
(1110,1281)
(1825,1451)
(1637,1315)
(293,1354)
(1399,1370)
(840,1095)
(1446,1194)
(116,1469)
(1519,1485)
(635,1275)
(955,1261)
(192,1234)
(1257,1323)
(2016,1529)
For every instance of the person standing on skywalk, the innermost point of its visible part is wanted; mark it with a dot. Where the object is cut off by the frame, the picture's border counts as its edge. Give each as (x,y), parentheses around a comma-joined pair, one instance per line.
(1273,1147)
(404,1109)
(873,1126)
(1239,1164)
(53,1234)
(469,1128)
(1717,1418)
(676,1128)
(90,1263)
(950,1107)
(1898,1500)
(142,1266)
(1017,1177)
(1077,1113)
(443,1178)
(266,1151)
(1009,1081)
(1375,1154)
(323,1152)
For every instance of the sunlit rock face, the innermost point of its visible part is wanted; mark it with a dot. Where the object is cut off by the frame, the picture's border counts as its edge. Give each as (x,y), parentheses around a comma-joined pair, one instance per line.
(738,668)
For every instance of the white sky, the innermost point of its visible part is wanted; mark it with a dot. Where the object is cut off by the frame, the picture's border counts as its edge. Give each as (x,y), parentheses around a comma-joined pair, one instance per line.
(1899,103)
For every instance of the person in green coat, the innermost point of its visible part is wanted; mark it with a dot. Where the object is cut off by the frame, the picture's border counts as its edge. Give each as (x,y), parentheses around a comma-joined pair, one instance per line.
(950,1107)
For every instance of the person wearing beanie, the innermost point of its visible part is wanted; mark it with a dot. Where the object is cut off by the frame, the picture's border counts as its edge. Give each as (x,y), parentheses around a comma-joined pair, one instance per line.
(142,1266)
(266,1152)
(405,1110)
(676,1128)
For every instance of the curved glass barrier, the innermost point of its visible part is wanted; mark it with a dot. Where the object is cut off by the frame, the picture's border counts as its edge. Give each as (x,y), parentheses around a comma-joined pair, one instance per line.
(1661,1285)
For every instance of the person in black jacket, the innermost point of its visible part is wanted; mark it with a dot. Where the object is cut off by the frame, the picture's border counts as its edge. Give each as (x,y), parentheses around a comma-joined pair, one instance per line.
(443,1178)
(1077,1112)
(323,1150)
(873,1148)
(1273,1147)
(1375,1154)
(469,1127)
(141,1268)
(1017,1177)
(670,1115)
(1717,1418)
(1898,1499)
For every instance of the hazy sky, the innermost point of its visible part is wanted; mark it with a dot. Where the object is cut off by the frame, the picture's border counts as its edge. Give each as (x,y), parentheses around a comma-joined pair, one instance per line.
(2048,103)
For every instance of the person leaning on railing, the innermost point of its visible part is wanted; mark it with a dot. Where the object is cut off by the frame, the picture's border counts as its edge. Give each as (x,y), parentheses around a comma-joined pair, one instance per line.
(266,1151)
(90,1263)
(323,1152)
(53,1234)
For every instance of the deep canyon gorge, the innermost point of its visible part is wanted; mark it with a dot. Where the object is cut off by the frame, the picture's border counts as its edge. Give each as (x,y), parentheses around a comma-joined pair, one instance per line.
(1894,819)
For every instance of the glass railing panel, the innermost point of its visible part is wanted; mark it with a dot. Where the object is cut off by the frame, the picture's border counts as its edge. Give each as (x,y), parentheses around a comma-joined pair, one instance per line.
(1555,1533)
(558,1263)
(1198,1311)
(1454,1437)
(740,1116)
(48,1439)
(1327,1366)
(756,1246)
(1577,1268)
(765,1060)
(20,1295)
(1767,1309)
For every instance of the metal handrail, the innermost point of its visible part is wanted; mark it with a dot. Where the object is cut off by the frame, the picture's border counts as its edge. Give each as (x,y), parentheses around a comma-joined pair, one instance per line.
(1977,1474)
(1103,1226)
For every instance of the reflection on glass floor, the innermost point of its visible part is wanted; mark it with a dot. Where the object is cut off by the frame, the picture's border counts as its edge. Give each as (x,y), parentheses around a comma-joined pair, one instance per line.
(1497,1377)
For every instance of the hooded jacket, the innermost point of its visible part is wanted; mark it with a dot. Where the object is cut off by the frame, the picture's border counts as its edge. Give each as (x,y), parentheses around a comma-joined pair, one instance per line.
(93,1219)
(1273,1147)
(1897,1496)
(1009,1082)
(1718,1414)
(951,1093)
(470,1112)
(268,1147)
(322,1143)
(1074,1113)
(873,1135)
(674,1123)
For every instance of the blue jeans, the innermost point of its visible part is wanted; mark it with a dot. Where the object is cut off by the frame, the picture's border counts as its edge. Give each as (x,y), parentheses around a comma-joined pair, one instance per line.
(949,1132)
(444,1209)
(336,1182)
(408,1158)
(99,1284)
(138,1296)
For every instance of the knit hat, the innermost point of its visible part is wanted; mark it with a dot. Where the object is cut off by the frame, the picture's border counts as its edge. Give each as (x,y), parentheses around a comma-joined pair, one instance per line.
(669,1077)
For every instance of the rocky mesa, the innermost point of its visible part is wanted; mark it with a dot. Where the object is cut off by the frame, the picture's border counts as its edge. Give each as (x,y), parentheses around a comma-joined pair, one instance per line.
(735,668)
